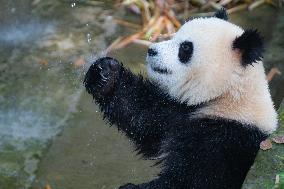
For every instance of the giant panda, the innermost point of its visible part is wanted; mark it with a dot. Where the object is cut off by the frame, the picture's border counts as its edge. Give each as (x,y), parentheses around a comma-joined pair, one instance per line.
(203,110)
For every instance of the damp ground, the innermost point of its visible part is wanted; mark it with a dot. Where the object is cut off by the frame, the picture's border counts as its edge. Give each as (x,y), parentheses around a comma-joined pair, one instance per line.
(51,133)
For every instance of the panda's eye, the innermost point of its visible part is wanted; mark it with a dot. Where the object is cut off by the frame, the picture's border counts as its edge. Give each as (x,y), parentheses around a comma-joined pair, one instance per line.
(186,46)
(185,51)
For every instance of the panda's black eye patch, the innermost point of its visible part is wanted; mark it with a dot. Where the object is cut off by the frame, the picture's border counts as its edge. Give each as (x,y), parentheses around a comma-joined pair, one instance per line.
(185,51)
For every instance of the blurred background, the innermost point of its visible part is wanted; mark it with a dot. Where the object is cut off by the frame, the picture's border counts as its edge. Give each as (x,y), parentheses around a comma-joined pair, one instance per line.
(51,134)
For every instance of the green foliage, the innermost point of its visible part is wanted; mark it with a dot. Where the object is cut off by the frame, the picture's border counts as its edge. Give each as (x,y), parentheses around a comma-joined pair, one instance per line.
(279,181)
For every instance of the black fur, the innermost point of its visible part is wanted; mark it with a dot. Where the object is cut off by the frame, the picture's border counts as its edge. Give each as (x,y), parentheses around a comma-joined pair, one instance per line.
(185,51)
(250,44)
(135,105)
(222,14)
(197,153)
(152,52)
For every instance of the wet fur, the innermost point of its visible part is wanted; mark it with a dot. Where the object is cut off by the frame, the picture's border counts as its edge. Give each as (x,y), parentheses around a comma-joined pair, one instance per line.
(199,153)
(205,111)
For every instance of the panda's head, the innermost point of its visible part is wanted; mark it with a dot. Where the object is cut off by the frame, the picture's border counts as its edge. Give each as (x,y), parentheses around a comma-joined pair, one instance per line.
(210,60)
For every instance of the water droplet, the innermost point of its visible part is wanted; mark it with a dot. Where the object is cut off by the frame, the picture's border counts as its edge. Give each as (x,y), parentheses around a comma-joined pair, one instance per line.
(89,39)
(73,5)
(13,10)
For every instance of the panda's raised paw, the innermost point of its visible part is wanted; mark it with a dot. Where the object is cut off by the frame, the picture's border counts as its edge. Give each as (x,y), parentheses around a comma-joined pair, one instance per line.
(102,76)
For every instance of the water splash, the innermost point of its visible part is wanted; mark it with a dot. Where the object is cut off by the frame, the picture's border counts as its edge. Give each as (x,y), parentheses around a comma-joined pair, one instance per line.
(73,5)
(89,38)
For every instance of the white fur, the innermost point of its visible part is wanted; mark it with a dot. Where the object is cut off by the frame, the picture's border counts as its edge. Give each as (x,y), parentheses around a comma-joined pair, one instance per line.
(214,74)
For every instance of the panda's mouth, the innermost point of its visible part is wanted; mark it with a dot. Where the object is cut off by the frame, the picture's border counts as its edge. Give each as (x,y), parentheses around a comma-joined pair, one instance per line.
(160,70)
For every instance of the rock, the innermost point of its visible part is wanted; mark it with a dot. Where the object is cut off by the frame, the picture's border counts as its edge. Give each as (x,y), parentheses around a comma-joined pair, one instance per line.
(268,169)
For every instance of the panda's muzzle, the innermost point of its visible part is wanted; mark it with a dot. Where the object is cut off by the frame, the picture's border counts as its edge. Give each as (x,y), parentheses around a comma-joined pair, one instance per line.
(160,70)
(152,53)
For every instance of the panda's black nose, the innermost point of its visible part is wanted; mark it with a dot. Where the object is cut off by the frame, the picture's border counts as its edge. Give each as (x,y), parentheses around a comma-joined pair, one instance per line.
(152,52)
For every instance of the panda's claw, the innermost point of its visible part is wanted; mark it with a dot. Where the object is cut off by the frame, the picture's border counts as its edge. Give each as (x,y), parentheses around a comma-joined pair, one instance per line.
(100,67)
(103,77)
(100,85)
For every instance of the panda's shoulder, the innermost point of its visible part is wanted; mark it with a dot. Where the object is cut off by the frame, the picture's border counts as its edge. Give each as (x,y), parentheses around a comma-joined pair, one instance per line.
(222,130)
(223,125)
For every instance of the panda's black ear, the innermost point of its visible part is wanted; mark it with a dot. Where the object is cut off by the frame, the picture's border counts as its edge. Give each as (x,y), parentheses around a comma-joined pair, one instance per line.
(222,14)
(250,44)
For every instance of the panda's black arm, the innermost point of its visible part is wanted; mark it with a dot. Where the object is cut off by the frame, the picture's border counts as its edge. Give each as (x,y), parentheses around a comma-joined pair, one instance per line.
(133,104)
(137,110)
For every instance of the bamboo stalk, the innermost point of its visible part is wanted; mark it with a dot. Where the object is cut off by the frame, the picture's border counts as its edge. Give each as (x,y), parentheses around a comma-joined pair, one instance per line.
(225,2)
(271,74)
(126,41)
(158,29)
(237,8)
(142,42)
(256,4)
(173,20)
(113,44)
(169,26)
(127,24)
(216,6)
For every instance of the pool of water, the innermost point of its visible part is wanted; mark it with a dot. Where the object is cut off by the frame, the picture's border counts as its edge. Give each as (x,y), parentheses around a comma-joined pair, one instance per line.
(50,131)
(41,78)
